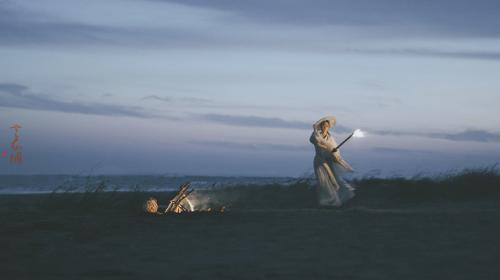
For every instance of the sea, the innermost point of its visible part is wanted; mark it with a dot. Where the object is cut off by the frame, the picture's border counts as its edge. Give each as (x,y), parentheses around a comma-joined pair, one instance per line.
(38,184)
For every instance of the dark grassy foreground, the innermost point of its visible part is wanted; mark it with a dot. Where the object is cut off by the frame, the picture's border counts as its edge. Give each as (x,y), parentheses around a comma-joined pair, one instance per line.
(444,228)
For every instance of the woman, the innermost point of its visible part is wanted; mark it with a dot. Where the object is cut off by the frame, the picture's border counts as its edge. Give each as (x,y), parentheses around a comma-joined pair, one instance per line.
(328,165)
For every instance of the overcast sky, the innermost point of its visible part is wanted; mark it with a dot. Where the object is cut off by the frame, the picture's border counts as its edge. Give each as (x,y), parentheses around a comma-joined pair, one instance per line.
(232,87)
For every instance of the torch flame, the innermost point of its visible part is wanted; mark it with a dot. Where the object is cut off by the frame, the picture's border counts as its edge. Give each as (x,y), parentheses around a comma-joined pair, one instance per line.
(358,133)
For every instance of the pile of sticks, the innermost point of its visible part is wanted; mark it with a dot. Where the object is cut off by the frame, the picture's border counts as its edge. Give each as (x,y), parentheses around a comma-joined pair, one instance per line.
(178,202)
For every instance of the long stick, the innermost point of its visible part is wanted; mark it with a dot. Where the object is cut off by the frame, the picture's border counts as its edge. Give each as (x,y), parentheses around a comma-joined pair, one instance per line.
(343,142)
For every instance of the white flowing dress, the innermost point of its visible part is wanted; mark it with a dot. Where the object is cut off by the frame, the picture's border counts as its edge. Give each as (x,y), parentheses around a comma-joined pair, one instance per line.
(332,189)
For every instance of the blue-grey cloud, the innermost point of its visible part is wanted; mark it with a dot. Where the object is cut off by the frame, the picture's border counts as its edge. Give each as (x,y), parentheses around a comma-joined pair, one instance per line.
(253,146)
(265,122)
(196,100)
(475,135)
(453,17)
(368,19)
(394,133)
(400,151)
(179,100)
(18,96)
(201,102)
(255,121)
(19,28)
(440,53)
(67,33)
(469,135)
(157,98)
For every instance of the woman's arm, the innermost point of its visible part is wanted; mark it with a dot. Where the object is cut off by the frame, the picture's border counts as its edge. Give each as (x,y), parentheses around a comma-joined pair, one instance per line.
(325,147)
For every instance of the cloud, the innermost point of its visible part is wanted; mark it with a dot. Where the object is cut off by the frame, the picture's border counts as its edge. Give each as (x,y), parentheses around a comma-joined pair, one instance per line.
(200,102)
(199,23)
(255,121)
(196,100)
(26,24)
(426,16)
(19,96)
(158,98)
(253,146)
(180,100)
(475,135)
(394,133)
(67,33)
(440,53)
(399,151)
(469,135)
(13,88)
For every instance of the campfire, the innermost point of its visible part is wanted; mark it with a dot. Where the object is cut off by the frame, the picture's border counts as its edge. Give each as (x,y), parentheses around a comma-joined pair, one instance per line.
(180,203)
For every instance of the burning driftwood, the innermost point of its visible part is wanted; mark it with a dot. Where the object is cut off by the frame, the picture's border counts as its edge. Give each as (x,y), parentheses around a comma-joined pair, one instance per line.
(180,203)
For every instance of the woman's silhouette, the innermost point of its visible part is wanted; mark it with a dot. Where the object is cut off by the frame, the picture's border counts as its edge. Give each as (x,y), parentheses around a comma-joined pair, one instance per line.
(328,164)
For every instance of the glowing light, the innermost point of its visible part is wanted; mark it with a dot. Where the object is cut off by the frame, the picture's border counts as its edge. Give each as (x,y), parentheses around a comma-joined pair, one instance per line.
(190,205)
(358,133)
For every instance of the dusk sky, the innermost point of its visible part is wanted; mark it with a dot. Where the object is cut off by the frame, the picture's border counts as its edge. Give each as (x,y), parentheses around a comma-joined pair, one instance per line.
(229,87)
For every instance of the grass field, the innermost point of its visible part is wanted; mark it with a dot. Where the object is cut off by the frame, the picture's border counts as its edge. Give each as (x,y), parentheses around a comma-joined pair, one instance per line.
(420,228)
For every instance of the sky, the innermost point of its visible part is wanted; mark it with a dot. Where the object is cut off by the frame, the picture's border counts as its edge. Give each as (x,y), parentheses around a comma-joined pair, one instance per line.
(232,88)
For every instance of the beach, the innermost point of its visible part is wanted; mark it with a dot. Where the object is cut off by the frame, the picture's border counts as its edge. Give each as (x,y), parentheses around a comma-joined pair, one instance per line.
(252,140)
(108,236)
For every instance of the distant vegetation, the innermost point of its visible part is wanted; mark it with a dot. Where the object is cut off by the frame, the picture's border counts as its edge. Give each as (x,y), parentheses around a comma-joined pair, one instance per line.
(470,185)
(467,185)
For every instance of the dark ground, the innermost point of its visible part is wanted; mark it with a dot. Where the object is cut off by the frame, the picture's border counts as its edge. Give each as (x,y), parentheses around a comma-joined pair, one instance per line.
(457,240)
